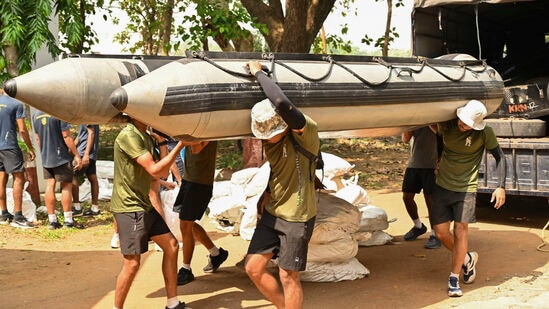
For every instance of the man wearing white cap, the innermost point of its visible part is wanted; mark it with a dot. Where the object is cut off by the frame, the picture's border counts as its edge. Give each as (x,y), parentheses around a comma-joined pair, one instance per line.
(454,195)
(288,218)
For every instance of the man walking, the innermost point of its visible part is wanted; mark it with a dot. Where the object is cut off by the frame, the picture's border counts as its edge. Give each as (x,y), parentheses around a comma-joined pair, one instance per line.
(12,120)
(454,196)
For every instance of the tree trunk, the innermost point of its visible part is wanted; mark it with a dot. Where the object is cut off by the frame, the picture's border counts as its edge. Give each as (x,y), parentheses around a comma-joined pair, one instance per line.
(294,32)
(385,51)
(166,28)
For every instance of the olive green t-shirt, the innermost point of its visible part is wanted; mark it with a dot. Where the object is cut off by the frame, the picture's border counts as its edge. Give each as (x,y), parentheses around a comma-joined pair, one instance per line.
(200,167)
(462,155)
(292,191)
(131,181)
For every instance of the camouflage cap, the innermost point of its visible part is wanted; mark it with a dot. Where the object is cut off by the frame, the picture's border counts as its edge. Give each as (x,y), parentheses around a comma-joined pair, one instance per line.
(266,122)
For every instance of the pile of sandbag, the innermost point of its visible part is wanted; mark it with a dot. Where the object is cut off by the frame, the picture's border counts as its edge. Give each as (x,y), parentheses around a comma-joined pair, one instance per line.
(334,243)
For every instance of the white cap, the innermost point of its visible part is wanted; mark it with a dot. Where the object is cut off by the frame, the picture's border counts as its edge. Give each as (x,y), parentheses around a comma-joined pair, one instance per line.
(472,114)
(266,122)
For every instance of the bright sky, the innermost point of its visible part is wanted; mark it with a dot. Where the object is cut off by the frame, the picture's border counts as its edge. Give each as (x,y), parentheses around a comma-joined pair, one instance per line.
(370,20)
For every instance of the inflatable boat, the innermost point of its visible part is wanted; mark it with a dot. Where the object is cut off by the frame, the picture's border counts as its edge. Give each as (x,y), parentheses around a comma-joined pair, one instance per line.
(210,95)
(76,88)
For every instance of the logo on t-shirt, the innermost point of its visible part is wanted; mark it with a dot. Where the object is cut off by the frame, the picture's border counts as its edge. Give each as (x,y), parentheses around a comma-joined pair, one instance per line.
(468,141)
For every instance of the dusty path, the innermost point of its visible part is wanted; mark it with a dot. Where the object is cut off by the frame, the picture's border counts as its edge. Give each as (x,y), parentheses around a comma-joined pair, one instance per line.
(80,270)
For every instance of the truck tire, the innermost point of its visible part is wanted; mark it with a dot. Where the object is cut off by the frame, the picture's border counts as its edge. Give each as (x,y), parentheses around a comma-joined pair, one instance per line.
(511,127)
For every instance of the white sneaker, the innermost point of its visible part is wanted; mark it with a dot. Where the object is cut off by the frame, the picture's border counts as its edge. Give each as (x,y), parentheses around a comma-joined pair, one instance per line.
(115,241)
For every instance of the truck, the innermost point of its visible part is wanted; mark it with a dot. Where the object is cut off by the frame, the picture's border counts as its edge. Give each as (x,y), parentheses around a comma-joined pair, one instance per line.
(513,38)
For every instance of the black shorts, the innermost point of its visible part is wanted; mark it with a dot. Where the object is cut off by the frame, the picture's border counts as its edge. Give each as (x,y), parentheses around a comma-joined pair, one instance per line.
(62,173)
(192,200)
(137,228)
(416,179)
(452,206)
(11,161)
(91,169)
(287,240)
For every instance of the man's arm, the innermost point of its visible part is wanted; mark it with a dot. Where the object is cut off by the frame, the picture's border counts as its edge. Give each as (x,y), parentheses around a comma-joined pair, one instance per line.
(161,168)
(407,136)
(501,167)
(69,141)
(293,117)
(24,133)
(89,145)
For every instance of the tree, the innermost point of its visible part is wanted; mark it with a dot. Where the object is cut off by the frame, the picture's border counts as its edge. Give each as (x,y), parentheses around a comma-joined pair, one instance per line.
(77,37)
(153,21)
(390,33)
(294,31)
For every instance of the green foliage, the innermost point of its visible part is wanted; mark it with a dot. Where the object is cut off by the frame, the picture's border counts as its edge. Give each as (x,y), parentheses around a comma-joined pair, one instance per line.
(216,18)
(76,35)
(24,25)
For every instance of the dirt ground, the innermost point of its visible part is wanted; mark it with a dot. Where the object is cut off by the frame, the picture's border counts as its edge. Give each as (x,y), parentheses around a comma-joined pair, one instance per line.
(79,269)
(68,269)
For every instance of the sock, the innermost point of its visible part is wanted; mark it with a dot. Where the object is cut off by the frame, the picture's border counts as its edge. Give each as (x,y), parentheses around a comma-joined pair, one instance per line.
(417,223)
(186,266)
(76,206)
(18,214)
(467,259)
(95,208)
(214,251)
(68,216)
(454,275)
(5,212)
(52,218)
(172,302)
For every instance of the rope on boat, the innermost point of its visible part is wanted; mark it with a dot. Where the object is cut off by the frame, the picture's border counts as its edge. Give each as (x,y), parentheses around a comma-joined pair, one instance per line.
(399,69)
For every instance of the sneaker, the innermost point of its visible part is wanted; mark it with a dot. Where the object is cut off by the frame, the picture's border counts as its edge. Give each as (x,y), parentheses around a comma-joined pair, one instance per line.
(181,305)
(76,212)
(115,241)
(415,232)
(432,243)
(21,222)
(73,224)
(6,218)
(90,212)
(184,276)
(469,270)
(453,287)
(215,261)
(54,225)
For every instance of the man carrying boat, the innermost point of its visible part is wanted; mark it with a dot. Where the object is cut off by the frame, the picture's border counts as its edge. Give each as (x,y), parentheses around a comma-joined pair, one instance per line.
(287,221)
(454,195)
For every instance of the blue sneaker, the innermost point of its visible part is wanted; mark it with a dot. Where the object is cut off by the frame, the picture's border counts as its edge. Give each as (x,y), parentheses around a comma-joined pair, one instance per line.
(415,232)
(453,287)
(469,270)
(76,212)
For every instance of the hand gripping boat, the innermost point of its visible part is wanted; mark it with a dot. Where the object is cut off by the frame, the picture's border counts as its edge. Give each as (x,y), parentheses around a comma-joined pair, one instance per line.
(209,95)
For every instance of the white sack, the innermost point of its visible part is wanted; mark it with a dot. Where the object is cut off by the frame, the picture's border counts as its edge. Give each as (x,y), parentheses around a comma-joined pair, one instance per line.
(335,210)
(242,177)
(353,194)
(259,181)
(351,269)
(378,238)
(373,218)
(27,205)
(335,251)
(249,218)
(171,217)
(221,188)
(334,166)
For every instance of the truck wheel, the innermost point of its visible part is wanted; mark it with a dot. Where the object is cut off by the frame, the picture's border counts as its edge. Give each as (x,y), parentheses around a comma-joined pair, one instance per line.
(510,127)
